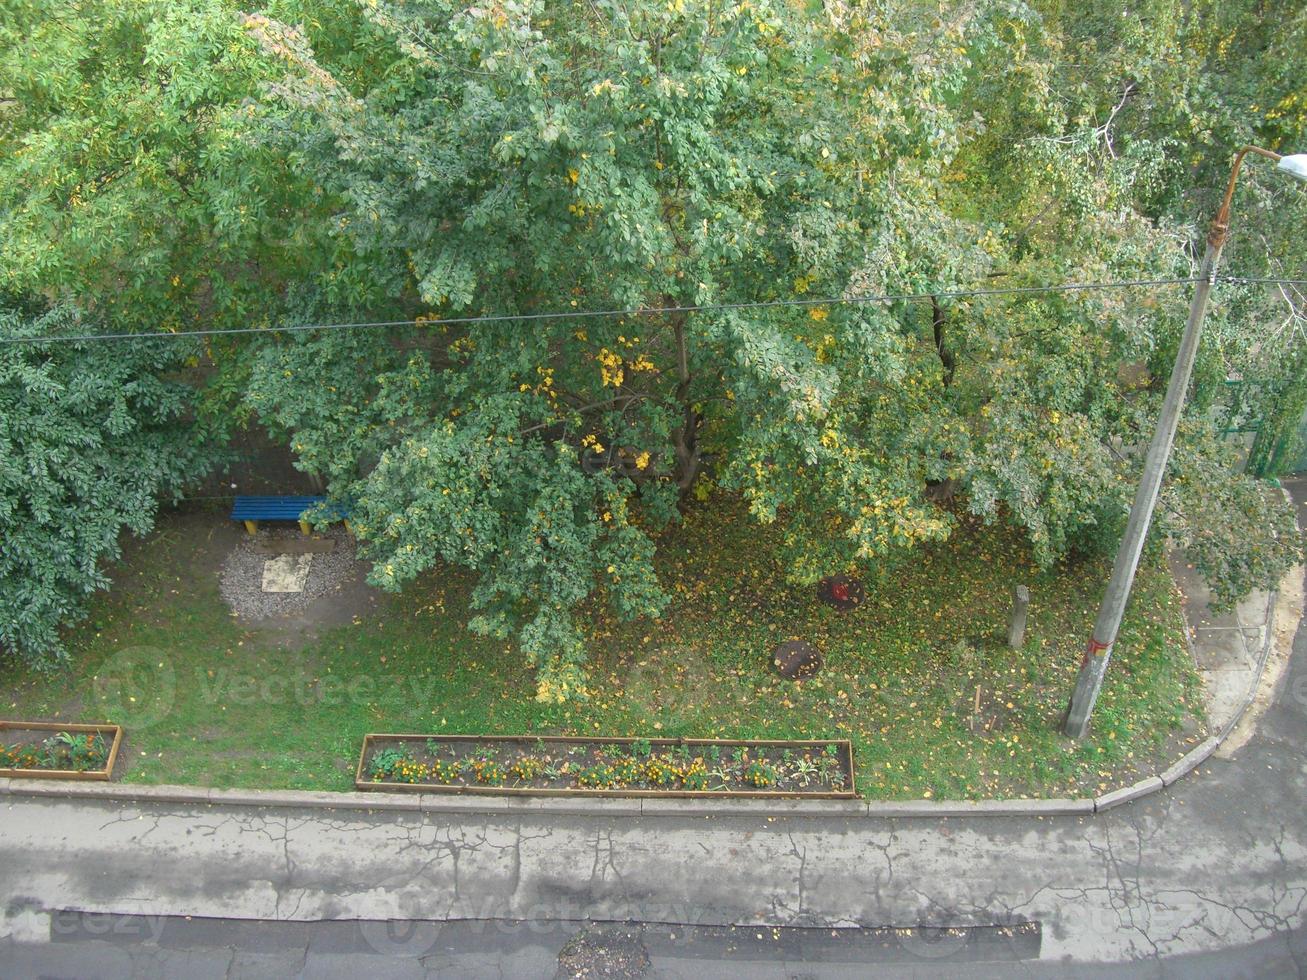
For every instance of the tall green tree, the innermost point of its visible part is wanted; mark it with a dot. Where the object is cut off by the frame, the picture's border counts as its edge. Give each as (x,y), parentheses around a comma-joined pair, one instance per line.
(522,158)
(91,439)
(128,181)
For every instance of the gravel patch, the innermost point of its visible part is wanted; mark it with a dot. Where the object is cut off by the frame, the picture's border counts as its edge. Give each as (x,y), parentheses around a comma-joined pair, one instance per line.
(604,952)
(241,576)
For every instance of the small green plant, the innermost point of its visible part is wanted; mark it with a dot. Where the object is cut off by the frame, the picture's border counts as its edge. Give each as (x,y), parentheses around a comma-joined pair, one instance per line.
(805,770)
(697,777)
(760,774)
(598,776)
(385,761)
(487,770)
(527,768)
(445,772)
(641,748)
(628,771)
(829,768)
(397,766)
(78,752)
(18,757)
(660,771)
(715,753)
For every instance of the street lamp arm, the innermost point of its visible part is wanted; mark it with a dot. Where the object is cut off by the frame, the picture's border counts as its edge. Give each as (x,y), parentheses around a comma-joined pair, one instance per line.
(1221,223)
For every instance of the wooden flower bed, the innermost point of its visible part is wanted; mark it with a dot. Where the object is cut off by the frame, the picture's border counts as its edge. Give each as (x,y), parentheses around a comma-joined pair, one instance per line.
(567,766)
(44,750)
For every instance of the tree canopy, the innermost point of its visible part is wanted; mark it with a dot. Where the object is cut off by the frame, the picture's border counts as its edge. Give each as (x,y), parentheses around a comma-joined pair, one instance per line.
(89,440)
(736,178)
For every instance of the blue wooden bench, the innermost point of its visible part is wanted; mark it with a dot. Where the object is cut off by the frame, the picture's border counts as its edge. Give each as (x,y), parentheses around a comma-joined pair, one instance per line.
(251,510)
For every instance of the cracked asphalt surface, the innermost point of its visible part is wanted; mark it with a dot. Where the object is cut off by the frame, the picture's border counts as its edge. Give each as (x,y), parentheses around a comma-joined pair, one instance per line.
(1206,878)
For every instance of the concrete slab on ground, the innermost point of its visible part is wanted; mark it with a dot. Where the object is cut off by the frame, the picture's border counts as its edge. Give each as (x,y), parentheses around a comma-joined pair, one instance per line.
(1227,645)
(286,573)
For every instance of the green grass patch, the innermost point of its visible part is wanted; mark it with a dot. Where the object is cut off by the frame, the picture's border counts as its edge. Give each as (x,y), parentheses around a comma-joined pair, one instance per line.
(222,705)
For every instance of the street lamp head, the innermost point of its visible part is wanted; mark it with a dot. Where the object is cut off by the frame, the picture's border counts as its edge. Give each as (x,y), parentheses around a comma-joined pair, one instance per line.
(1294,166)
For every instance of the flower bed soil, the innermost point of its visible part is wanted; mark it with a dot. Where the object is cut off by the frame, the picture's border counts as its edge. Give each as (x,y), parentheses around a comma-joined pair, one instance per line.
(566,766)
(45,750)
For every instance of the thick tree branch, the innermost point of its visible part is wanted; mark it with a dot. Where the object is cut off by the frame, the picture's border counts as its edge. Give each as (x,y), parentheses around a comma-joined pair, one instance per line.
(946,357)
(687,436)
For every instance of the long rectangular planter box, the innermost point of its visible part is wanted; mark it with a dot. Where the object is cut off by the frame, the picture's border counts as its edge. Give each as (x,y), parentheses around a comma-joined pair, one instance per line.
(112,734)
(375,742)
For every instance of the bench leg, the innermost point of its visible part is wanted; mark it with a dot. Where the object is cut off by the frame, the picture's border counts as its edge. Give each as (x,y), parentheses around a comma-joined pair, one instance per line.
(252,527)
(304,528)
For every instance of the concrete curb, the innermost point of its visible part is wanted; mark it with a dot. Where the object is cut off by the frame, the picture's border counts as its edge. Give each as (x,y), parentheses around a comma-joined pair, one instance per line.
(440,803)
(1127,793)
(1190,761)
(979,808)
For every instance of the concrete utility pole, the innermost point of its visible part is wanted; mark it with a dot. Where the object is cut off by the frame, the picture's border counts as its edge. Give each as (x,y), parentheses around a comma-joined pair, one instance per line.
(1016,631)
(1094,666)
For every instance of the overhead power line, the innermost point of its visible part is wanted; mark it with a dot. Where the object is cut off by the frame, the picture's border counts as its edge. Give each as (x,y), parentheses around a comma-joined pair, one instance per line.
(1245,281)
(648,311)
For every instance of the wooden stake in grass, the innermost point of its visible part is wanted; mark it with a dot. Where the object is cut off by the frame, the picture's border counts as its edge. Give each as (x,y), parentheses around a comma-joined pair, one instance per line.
(975,710)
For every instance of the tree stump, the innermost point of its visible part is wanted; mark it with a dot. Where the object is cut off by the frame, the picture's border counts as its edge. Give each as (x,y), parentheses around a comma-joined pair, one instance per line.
(841,591)
(796,660)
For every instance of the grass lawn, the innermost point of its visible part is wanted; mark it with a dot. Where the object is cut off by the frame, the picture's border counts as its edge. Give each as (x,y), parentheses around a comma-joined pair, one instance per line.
(221,704)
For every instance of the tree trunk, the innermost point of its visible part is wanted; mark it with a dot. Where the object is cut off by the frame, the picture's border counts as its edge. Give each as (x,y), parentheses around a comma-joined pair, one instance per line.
(686,436)
(946,357)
